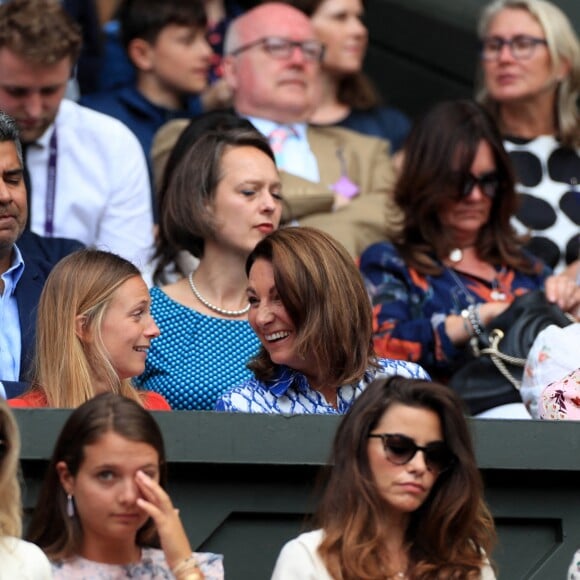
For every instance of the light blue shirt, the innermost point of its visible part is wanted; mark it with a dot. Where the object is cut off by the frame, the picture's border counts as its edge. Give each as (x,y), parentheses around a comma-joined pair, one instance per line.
(10,335)
(297,157)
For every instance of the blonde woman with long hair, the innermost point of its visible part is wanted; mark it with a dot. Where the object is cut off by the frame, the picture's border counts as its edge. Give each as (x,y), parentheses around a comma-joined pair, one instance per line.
(529,79)
(94,329)
(19,559)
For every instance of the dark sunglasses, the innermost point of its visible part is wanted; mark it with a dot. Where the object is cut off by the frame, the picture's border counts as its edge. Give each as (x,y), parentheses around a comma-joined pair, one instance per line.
(400,449)
(488,183)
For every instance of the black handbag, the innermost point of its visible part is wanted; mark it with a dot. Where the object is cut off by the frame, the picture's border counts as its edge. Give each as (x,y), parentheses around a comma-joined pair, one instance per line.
(490,374)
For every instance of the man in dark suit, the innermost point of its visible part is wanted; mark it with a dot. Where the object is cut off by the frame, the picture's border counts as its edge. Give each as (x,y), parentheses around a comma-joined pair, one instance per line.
(22,273)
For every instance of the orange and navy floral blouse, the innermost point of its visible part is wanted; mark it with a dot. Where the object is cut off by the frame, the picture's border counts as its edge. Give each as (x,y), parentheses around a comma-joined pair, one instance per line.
(409,309)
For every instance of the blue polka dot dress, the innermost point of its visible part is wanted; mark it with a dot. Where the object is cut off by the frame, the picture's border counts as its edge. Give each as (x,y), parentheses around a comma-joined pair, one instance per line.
(197,357)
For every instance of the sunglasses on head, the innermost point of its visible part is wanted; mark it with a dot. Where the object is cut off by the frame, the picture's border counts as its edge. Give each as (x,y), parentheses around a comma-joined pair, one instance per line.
(400,449)
(488,183)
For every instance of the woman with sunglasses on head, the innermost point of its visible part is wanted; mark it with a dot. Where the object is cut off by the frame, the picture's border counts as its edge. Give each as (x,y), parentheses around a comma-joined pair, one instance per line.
(404,498)
(530,82)
(18,559)
(456,263)
(103,511)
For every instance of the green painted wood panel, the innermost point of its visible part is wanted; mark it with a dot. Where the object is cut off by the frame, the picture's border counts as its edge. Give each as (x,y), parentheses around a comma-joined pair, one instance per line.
(247,483)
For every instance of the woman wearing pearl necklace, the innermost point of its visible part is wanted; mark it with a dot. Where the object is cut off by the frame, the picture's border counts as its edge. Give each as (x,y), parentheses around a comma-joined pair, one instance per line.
(457,263)
(221,196)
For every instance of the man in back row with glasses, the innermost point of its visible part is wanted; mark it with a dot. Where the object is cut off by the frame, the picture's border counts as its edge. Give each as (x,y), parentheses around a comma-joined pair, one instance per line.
(333,179)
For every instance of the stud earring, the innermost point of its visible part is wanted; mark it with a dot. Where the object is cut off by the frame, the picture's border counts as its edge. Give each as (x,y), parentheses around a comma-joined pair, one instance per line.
(70,506)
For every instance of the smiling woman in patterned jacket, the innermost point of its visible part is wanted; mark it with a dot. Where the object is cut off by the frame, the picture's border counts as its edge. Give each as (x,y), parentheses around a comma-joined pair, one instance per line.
(310,310)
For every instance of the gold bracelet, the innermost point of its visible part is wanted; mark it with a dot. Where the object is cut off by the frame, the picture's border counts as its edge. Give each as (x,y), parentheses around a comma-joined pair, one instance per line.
(188,569)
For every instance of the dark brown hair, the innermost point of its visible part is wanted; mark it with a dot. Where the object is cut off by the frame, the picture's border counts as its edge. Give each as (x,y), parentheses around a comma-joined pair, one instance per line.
(325,297)
(59,535)
(449,535)
(442,144)
(190,179)
(145,19)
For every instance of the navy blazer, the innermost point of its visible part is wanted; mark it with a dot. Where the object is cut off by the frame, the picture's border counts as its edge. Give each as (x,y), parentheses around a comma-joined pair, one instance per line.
(40,255)
(27,295)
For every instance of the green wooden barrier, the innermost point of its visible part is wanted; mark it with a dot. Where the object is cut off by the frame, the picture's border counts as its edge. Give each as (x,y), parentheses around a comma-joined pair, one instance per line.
(245,483)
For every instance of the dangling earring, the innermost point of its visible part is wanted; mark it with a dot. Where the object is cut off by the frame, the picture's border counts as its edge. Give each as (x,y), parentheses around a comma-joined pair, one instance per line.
(70,506)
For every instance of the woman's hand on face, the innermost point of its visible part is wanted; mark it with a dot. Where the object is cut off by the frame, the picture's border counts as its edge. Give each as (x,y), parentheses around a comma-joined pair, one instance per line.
(563,291)
(157,504)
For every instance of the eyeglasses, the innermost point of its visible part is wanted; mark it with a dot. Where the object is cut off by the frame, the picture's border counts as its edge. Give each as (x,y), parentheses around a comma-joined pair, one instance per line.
(400,449)
(488,183)
(282,48)
(521,46)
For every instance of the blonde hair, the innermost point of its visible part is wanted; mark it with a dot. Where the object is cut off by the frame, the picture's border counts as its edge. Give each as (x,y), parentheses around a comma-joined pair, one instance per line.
(563,46)
(10,506)
(65,367)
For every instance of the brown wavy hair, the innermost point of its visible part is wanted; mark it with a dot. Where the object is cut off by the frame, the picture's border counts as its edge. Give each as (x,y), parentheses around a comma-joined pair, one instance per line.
(59,535)
(325,297)
(441,144)
(450,536)
(39,31)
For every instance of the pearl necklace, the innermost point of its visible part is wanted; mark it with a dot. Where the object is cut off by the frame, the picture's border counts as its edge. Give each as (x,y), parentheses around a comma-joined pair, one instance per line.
(455,255)
(212,306)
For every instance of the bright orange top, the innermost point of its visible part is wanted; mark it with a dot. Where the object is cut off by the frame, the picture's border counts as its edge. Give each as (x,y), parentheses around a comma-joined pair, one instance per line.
(37,399)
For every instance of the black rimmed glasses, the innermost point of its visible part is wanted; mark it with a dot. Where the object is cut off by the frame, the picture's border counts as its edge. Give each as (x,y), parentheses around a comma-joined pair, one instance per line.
(282,48)
(488,183)
(400,449)
(521,46)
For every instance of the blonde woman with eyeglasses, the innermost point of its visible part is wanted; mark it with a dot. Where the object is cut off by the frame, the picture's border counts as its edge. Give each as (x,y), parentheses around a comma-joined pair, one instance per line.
(530,82)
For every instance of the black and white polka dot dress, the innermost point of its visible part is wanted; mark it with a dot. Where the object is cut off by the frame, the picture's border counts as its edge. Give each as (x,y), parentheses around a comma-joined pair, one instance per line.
(549,183)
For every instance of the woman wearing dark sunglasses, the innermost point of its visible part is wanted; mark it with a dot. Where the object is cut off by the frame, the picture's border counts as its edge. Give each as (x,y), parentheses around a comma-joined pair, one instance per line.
(404,496)
(456,263)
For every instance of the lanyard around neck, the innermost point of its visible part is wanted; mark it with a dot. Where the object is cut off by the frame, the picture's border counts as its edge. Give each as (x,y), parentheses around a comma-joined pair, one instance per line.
(50,185)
